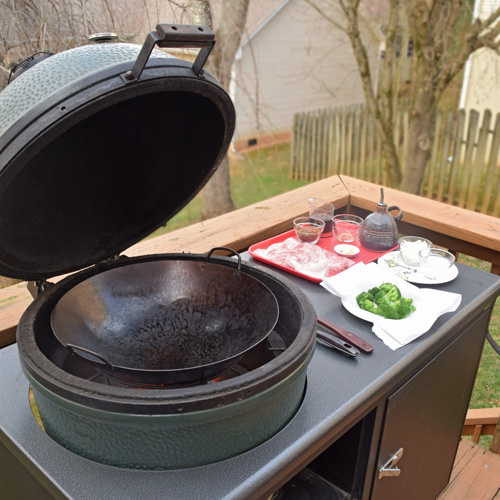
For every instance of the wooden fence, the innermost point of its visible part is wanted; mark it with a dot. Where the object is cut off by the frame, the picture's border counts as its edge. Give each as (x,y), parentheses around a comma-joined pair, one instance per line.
(464,168)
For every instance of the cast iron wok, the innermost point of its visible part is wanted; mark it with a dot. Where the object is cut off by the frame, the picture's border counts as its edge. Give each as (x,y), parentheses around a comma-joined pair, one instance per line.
(166,321)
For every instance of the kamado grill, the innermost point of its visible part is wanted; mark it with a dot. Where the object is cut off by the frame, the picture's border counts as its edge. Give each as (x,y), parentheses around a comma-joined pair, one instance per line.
(99,146)
(157,362)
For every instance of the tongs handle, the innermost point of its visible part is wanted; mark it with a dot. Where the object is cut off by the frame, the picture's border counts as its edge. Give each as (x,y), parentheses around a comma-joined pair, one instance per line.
(339,344)
(356,341)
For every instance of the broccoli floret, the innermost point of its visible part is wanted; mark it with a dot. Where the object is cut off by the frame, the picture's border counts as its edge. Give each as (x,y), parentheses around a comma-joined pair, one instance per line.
(386,307)
(374,291)
(386,300)
(404,307)
(365,301)
(390,291)
(364,295)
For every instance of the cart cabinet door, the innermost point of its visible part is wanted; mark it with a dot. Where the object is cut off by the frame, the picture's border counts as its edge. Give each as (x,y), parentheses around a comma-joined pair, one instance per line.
(424,420)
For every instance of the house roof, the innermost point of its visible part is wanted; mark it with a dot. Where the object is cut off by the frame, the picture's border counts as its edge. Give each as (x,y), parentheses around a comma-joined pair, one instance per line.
(379,9)
(260,12)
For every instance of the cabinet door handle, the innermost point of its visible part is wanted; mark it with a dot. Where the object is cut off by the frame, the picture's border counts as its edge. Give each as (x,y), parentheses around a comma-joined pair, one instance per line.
(389,469)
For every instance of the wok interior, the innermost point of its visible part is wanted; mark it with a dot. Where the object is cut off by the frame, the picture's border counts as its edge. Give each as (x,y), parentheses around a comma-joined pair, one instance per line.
(166,315)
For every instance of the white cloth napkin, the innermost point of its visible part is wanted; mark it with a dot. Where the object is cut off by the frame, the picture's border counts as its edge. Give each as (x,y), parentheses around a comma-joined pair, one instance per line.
(395,333)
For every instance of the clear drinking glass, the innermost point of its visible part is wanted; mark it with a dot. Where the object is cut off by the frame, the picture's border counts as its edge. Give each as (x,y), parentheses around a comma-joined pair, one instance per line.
(347,227)
(324,210)
(436,261)
(409,248)
(308,229)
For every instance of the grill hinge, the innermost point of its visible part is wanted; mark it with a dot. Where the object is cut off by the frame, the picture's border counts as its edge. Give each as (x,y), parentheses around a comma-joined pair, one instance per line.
(36,287)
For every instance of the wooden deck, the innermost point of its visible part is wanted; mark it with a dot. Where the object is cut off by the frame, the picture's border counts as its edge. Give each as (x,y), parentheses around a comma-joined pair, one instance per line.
(475,476)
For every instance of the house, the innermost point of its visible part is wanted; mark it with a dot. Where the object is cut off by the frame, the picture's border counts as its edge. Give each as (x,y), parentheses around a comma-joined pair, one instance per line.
(290,60)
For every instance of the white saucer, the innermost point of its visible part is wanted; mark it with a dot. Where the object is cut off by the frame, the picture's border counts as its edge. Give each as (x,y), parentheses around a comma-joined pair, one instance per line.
(416,275)
(346,250)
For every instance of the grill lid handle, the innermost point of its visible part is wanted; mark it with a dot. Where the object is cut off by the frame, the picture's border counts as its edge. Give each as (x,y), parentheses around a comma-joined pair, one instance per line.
(175,35)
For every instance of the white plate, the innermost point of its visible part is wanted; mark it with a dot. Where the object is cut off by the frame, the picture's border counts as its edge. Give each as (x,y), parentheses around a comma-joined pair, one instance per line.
(407,290)
(346,250)
(417,275)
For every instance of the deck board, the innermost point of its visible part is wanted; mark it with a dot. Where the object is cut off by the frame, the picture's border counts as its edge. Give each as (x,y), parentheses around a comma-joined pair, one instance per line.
(475,475)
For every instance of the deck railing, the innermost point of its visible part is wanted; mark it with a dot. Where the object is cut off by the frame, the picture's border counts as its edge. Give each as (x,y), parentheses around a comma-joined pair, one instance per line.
(483,422)
(458,229)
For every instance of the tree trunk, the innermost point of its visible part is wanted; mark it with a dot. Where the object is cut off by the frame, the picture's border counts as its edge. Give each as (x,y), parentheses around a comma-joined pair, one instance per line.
(423,110)
(419,149)
(432,26)
(380,107)
(421,135)
(422,121)
(216,195)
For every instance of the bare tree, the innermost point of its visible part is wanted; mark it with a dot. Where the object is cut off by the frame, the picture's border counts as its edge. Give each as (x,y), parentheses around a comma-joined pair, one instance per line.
(216,195)
(28,26)
(431,26)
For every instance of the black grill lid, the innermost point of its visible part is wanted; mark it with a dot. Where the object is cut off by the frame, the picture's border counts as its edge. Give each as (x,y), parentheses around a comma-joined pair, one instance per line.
(98,149)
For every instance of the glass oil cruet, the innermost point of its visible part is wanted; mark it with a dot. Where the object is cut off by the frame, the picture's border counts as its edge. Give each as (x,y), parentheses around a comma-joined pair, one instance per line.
(379,231)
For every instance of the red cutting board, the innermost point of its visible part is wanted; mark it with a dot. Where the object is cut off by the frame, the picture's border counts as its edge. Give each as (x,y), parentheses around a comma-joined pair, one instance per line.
(327,243)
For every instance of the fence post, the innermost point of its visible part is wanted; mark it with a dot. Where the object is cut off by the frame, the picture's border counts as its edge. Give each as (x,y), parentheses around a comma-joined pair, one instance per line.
(445,153)
(344,141)
(470,145)
(431,169)
(493,164)
(457,156)
(477,166)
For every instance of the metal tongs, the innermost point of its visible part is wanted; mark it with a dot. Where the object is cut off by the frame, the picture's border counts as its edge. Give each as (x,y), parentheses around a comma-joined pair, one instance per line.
(333,342)
(347,336)
(328,339)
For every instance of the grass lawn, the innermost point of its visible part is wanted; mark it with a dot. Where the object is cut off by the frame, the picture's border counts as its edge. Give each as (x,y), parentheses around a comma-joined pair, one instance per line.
(486,393)
(264,173)
(255,176)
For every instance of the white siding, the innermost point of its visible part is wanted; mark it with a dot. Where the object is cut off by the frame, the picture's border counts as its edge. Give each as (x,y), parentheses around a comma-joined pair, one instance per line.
(481,86)
(486,7)
(296,62)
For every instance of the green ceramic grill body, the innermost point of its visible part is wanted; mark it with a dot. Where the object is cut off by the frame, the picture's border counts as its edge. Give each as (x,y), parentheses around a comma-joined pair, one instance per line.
(169,441)
(57,75)
(168,428)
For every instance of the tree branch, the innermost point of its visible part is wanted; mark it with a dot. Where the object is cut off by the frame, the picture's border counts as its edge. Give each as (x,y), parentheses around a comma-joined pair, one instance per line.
(177,4)
(323,14)
(489,21)
(482,34)
(388,87)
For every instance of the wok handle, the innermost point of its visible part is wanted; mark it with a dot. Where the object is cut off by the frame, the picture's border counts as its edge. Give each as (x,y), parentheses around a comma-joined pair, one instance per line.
(356,341)
(175,35)
(74,347)
(226,249)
